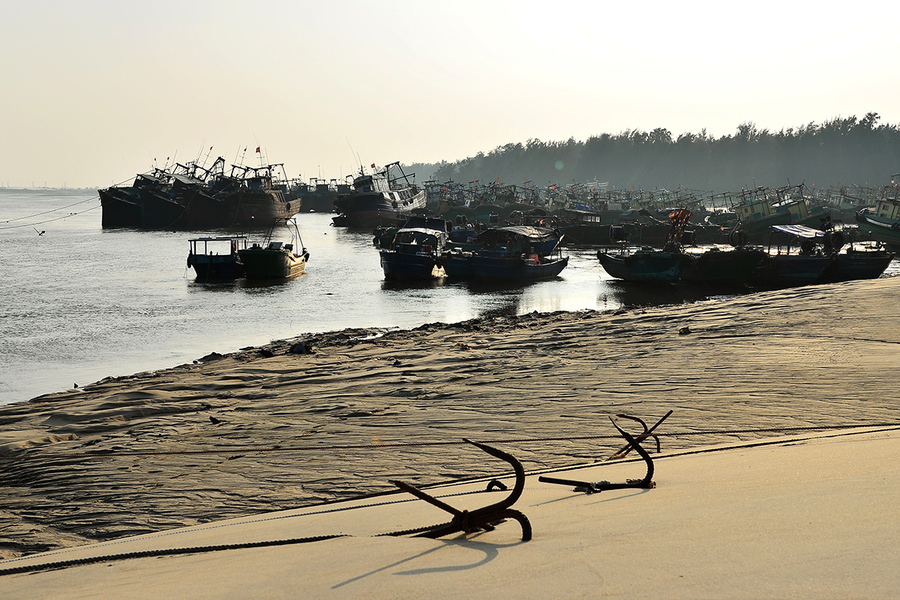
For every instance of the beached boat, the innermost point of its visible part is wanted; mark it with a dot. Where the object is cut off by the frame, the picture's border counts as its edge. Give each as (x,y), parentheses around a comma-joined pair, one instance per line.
(644,265)
(413,254)
(857,262)
(797,255)
(216,258)
(716,267)
(379,199)
(276,259)
(648,265)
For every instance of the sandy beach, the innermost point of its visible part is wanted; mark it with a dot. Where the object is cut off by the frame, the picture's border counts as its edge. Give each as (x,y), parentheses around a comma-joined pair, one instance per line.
(336,416)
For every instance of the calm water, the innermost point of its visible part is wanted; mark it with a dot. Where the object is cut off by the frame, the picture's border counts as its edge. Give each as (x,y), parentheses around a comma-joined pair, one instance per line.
(78,303)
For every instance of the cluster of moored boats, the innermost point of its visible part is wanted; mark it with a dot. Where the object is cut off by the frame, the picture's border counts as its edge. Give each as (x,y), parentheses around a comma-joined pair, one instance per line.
(429,248)
(796,255)
(190,196)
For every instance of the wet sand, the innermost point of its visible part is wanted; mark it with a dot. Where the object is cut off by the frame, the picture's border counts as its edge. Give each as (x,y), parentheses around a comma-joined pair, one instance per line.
(338,415)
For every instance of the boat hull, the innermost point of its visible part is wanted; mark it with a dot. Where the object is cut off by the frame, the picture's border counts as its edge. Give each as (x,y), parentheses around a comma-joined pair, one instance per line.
(405,266)
(371,209)
(490,268)
(216,268)
(644,267)
(457,265)
(857,265)
(788,270)
(120,208)
(731,267)
(262,263)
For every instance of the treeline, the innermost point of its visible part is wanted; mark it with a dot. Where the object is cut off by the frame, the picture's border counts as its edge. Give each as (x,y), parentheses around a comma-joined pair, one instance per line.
(842,151)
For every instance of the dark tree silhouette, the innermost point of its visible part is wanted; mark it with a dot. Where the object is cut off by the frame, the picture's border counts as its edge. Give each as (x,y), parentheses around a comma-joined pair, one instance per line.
(840,151)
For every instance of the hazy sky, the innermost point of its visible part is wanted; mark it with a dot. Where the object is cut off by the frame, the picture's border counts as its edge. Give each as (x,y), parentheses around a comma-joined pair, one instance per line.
(93,91)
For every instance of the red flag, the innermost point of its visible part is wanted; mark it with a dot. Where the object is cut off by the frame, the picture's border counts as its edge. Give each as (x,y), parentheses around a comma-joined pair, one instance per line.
(373,165)
(257,148)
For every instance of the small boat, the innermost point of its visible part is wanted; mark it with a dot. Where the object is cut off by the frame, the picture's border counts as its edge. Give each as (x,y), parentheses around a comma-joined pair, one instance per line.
(216,258)
(716,267)
(644,265)
(514,253)
(648,265)
(800,255)
(413,254)
(274,259)
(506,267)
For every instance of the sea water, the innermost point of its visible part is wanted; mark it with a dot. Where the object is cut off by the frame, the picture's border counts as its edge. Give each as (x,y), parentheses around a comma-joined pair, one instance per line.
(79,303)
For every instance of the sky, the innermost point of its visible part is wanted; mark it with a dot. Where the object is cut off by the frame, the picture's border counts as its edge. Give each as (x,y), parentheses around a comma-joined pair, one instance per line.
(95,91)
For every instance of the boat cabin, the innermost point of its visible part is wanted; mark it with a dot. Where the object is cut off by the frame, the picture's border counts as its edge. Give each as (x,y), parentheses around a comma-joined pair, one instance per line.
(888,208)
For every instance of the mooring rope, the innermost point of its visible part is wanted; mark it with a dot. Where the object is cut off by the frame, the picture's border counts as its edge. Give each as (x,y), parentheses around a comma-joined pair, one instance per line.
(399,445)
(294,541)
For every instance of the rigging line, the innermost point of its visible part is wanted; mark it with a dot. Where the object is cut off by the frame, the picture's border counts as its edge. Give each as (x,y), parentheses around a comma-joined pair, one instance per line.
(249,449)
(50,211)
(51,220)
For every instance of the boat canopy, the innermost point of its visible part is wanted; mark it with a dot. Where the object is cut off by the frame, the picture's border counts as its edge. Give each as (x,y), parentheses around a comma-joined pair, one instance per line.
(800,231)
(513,231)
(518,238)
(420,235)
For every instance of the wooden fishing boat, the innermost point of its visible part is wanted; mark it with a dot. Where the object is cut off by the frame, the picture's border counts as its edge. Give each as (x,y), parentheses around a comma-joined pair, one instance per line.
(644,265)
(648,265)
(413,254)
(379,199)
(216,258)
(276,259)
(514,253)
(488,266)
(716,267)
(799,255)
(883,222)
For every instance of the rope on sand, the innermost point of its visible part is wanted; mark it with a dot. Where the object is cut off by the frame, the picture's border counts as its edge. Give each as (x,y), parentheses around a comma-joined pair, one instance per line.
(395,445)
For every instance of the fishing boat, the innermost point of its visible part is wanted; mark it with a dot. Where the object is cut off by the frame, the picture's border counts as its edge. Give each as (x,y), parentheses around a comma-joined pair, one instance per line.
(858,263)
(797,255)
(216,258)
(379,198)
(413,254)
(488,266)
(276,259)
(716,267)
(645,264)
(882,223)
(514,253)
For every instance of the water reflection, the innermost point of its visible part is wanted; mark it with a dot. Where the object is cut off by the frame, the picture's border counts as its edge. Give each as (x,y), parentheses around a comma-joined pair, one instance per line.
(627,294)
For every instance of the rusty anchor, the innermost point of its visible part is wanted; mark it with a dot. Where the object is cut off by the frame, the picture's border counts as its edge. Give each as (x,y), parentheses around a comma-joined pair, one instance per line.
(480,519)
(623,452)
(591,488)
